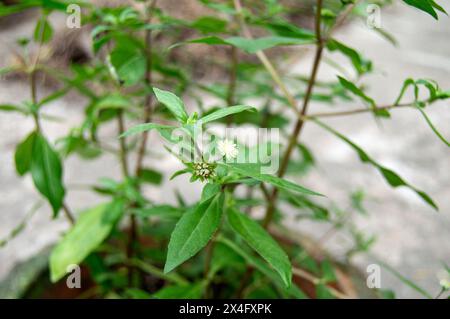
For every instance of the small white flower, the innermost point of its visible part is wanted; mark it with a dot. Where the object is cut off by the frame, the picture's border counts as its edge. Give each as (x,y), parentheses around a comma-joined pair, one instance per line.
(227,148)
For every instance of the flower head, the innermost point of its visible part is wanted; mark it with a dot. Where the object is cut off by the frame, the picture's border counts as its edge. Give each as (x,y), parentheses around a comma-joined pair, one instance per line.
(227,148)
(204,171)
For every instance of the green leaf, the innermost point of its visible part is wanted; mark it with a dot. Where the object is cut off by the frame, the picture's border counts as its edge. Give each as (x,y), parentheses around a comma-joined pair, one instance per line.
(303,203)
(359,92)
(46,171)
(249,45)
(60,5)
(210,40)
(323,292)
(11,108)
(112,101)
(360,64)
(43,31)
(91,229)
(135,293)
(140,128)
(224,257)
(193,231)
(209,191)
(262,243)
(221,113)
(129,63)
(54,96)
(259,44)
(388,36)
(406,281)
(173,103)
(7,69)
(180,172)
(253,171)
(406,84)
(209,24)
(356,90)
(328,274)
(438,7)
(19,7)
(220,7)
(390,176)
(285,29)
(150,176)
(424,5)
(292,291)
(431,86)
(387,294)
(193,291)
(433,128)
(24,153)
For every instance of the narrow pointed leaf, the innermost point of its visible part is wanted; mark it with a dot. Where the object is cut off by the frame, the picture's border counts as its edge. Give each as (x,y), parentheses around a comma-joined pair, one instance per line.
(140,128)
(43,31)
(424,5)
(262,243)
(46,170)
(221,113)
(390,176)
(129,64)
(253,171)
(406,281)
(192,291)
(173,103)
(356,90)
(261,266)
(433,128)
(193,231)
(11,108)
(359,63)
(24,154)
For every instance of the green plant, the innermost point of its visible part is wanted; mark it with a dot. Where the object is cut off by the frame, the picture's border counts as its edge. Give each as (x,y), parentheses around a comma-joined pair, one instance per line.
(212,248)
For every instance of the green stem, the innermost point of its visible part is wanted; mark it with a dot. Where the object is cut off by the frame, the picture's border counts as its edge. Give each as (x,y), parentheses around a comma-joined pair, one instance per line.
(123,153)
(148,112)
(264,60)
(357,111)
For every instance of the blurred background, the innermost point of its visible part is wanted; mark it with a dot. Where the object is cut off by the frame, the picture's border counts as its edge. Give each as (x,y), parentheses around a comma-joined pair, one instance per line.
(411,237)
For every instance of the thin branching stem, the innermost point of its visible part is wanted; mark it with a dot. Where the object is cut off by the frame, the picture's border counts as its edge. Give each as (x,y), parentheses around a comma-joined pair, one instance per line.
(148,107)
(265,60)
(356,111)
(148,112)
(271,198)
(68,213)
(300,121)
(123,153)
